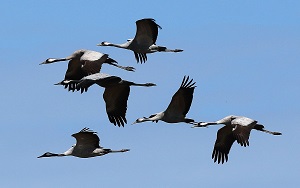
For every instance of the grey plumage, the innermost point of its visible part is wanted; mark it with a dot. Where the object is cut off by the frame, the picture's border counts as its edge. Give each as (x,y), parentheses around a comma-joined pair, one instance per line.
(144,41)
(83,63)
(115,95)
(237,128)
(178,107)
(87,145)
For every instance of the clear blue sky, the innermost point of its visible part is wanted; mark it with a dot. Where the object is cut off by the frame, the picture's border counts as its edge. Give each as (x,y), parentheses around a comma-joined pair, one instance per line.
(244,56)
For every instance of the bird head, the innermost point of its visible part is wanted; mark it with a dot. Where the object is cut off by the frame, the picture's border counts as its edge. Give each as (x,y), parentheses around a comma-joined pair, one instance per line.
(49,60)
(47,154)
(199,124)
(139,120)
(104,43)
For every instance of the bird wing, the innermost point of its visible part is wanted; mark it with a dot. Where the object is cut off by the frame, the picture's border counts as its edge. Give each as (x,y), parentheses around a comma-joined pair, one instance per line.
(223,143)
(243,121)
(101,79)
(182,99)
(242,127)
(241,134)
(115,97)
(92,61)
(86,138)
(146,33)
(74,71)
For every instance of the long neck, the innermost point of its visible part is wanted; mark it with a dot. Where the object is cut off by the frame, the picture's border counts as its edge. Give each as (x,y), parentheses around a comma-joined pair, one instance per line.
(48,154)
(124,45)
(57,155)
(204,124)
(156,117)
(53,60)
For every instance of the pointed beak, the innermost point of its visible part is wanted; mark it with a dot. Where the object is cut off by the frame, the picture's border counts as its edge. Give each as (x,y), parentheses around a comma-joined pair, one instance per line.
(40,156)
(42,63)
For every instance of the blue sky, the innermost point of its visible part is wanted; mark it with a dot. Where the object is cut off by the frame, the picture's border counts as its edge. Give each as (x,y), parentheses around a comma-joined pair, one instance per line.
(244,56)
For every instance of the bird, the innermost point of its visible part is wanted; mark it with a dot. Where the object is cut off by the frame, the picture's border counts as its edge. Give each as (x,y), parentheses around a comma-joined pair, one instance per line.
(237,128)
(144,41)
(178,107)
(87,145)
(83,63)
(115,95)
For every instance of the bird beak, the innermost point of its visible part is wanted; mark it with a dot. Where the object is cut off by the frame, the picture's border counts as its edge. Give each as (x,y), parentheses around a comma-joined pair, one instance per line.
(134,123)
(40,156)
(59,83)
(42,63)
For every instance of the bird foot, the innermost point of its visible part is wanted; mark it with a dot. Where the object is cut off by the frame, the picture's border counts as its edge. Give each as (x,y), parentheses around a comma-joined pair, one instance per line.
(129,69)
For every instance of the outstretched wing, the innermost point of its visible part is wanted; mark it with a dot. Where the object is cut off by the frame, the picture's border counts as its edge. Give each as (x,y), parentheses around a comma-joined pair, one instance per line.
(99,78)
(92,61)
(115,97)
(242,134)
(242,127)
(146,32)
(86,138)
(223,143)
(243,121)
(182,99)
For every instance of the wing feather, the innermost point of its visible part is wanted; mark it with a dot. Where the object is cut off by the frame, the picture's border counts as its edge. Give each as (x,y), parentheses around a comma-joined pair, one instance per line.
(115,98)
(223,144)
(86,137)
(146,33)
(182,99)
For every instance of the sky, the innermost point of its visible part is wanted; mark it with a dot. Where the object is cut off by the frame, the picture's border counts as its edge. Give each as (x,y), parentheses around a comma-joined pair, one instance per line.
(243,55)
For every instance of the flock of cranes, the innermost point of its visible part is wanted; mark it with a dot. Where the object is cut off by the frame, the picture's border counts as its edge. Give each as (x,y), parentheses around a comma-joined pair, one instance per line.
(84,71)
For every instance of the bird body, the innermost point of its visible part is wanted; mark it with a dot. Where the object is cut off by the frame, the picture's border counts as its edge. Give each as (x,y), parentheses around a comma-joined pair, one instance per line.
(115,95)
(144,40)
(87,145)
(83,63)
(237,128)
(178,107)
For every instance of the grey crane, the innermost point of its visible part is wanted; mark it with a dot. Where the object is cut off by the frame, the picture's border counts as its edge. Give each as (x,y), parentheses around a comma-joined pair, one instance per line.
(83,63)
(87,145)
(237,128)
(178,107)
(115,95)
(144,40)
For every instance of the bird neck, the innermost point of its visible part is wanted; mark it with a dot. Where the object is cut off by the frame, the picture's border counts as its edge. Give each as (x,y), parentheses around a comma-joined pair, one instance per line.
(156,117)
(124,45)
(49,154)
(53,60)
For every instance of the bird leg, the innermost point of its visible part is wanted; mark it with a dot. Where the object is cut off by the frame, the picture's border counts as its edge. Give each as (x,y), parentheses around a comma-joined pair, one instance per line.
(270,132)
(128,68)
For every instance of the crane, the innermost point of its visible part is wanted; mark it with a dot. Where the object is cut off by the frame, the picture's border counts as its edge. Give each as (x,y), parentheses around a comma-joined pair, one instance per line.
(178,107)
(87,145)
(144,41)
(237,128)
(83,63)
(115,95)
